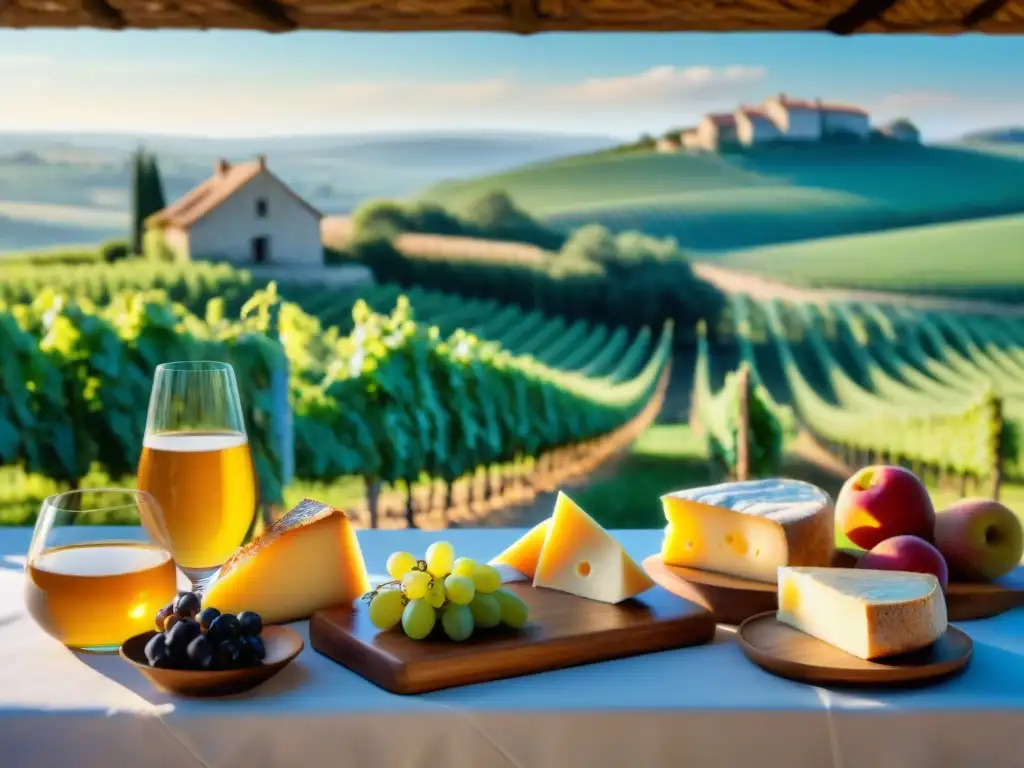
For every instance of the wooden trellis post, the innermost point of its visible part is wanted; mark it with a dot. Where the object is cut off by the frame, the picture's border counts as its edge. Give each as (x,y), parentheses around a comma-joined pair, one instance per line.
(997,470)
(743,429)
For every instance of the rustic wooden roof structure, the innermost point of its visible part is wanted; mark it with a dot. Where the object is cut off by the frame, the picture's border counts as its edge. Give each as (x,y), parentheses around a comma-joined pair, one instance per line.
(528,16)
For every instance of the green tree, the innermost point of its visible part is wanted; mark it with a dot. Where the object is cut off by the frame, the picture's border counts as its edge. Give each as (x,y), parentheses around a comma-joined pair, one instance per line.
(155,183)
(138,200)
(495,215)
(147,194)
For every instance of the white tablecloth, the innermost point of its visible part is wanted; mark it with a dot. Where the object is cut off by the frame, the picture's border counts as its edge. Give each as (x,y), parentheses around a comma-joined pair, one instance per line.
(704,706)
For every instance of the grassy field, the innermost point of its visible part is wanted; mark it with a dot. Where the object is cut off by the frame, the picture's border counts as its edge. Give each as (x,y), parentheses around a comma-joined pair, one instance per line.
(726,202)
(960,256)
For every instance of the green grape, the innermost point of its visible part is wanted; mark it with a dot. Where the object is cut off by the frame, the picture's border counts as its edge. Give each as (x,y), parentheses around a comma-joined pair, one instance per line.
(386,608)
(457,621)
(439,558)
(436,596)
(418,619)
(416,584)
(514,612)
(486,611)
(399,564)
(463,567)
(460,589)
(486,579)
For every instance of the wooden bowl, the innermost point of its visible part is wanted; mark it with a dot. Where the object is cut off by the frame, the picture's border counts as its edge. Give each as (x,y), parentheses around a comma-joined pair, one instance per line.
(282,646)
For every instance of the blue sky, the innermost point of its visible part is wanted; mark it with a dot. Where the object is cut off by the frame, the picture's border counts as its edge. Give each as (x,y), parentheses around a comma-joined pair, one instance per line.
(252,84)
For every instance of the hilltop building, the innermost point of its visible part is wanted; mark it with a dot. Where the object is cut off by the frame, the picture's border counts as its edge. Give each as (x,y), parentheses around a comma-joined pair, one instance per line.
(667,144)
(779,118)
(243,214)
(716,131)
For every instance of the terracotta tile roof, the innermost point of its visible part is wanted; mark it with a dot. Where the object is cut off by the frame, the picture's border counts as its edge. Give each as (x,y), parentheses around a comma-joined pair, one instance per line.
(798,104)
(226,181)
(754,113)
(822,106)
(843,108)
(723,119)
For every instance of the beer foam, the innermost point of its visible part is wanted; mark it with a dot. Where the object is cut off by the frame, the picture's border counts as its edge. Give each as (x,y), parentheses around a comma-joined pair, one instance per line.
(194,442)
(101,559)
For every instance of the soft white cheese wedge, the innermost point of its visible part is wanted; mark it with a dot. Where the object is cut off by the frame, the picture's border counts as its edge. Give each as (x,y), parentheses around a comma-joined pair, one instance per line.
(869,614)
(749,529)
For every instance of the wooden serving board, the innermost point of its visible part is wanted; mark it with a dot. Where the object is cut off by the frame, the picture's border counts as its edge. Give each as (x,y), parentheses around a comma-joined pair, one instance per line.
(733,600)
(730,599)
(563,631)
(788,652)
(965,601)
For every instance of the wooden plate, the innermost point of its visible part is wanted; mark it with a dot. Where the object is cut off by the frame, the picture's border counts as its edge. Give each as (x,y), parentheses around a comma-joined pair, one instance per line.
(965,601)
(790,653)
(282,646)
(732,600)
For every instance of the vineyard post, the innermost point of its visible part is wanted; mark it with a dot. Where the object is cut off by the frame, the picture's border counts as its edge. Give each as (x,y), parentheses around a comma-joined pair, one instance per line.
(997,469)
(282,428)
(743,430)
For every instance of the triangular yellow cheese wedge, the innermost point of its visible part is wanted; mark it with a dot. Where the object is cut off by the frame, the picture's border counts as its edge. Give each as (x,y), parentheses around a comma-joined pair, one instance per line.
(581,558)
(307,560)
(524,554)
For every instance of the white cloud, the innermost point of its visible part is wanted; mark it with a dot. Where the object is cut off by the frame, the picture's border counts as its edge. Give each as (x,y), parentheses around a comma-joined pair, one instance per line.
(919,100)
(659,84)
(10,62)
(655,87)
(193,102)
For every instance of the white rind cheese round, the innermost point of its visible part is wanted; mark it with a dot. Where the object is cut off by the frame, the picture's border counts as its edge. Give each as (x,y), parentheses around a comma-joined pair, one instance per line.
(869,614)
(749,529)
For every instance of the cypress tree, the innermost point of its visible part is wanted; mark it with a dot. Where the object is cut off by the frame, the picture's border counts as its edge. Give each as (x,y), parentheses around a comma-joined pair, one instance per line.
(156,196)
(138,200)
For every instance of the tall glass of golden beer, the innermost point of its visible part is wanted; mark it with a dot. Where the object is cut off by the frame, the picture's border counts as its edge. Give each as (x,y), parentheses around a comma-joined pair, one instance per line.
(197,465)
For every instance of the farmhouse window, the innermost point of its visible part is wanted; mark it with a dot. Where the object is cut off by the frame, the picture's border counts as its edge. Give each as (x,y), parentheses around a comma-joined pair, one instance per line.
(261,208)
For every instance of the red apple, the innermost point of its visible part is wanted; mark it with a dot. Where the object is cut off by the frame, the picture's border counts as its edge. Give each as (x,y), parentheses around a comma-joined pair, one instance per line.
(880,502)
(906,553)
(981,539)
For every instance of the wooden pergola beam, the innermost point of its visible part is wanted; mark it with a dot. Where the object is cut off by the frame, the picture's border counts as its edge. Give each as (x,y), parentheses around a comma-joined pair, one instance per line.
(271,12)
(842,17)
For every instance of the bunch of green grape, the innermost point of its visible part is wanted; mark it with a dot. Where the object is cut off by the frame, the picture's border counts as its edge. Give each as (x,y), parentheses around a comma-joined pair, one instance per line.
(457,594)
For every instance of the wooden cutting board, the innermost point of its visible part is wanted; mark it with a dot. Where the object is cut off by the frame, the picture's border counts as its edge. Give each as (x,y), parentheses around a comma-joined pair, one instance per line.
(730,599)
(733,600)
(965,601)
(563,631)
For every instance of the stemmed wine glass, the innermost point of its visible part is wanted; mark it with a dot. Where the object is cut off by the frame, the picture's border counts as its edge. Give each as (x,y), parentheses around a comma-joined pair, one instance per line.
(90,585)
(197,464)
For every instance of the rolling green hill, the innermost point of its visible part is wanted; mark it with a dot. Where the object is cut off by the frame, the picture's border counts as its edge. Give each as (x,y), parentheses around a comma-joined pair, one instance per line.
(984,256)
(774,195)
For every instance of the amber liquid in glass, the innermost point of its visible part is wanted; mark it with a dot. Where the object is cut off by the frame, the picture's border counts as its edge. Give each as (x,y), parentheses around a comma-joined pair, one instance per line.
(98,595)
(205,484)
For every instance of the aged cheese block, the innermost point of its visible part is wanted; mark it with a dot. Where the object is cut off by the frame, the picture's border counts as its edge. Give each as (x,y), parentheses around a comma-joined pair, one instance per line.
(307,560)
(580,557)
(524,554)
(869,614)
(749,529)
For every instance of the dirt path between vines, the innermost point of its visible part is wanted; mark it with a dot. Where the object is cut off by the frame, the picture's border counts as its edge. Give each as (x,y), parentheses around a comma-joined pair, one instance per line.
(755,286)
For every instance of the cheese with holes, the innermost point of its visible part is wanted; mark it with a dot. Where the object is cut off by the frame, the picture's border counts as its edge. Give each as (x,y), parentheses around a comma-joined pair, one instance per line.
(524,554)
(307,560)
(580,557)
(869,614)
(749,529)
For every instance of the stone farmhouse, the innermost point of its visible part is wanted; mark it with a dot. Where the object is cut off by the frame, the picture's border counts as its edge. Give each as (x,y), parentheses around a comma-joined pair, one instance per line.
(781,118)
(243,214)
